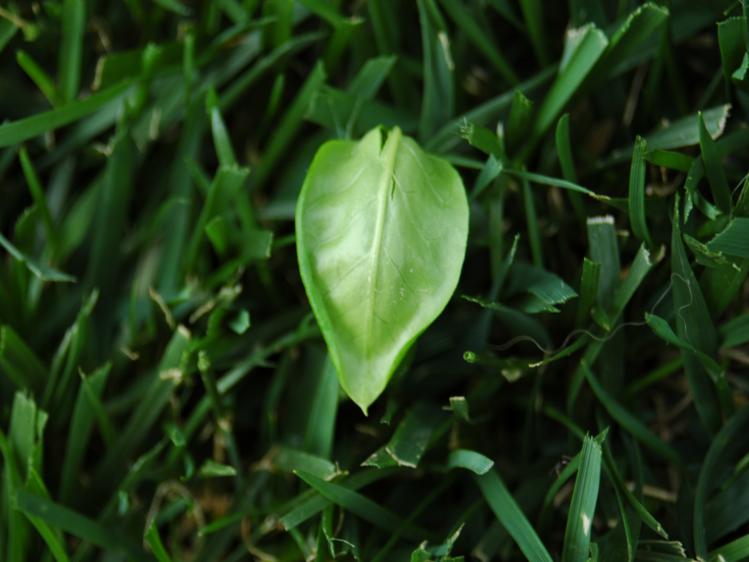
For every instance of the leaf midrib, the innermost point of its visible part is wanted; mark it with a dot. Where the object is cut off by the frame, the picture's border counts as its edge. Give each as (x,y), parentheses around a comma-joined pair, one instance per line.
(388,160)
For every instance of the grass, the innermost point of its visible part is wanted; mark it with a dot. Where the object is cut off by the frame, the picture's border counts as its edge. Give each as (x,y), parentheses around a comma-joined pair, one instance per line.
(165,393)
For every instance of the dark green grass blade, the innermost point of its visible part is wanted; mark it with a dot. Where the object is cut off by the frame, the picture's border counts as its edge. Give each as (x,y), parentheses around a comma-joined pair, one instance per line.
(731,439)
(583,504)
(713,168)
(628,421)
(438,97)
(42,80)
(733,240)
(81,426)
(468,23)
(581,54)
(511,517)
(71,48)
(363,507)
(76,524)
(694,325)
(637,214)
(30,127)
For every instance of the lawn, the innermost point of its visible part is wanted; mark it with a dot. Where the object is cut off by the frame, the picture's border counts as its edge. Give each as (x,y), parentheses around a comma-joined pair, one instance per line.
(374,280)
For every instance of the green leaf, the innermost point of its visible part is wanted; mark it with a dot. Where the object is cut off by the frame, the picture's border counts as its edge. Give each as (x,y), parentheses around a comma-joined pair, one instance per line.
(583,504)
(381,232)
(637,192)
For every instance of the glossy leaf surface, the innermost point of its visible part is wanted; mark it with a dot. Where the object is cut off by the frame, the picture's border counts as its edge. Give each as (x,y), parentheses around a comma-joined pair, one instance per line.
(381,230)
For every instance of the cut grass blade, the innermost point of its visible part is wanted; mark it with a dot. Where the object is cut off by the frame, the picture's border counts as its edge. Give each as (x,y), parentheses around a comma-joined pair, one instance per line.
(637,214)
(583,504)
(686,130)
(582,49)
(733,240)
(410,440)
(713,169)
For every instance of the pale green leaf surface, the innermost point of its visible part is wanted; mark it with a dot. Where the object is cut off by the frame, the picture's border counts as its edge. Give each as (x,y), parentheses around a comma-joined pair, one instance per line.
(381,232)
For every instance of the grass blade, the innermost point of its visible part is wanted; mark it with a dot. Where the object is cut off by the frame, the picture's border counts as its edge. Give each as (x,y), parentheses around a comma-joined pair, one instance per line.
(713,169)
(733,240)
(583,504)
(637,212)
(628,421)
(16,132)
(731,439)
(511,517)
(467,22)
(363,507)
(583,48)
(71,48)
